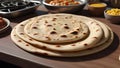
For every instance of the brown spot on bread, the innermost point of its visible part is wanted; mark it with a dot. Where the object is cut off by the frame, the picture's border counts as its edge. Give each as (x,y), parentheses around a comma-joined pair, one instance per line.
(14,35)
(35,34)
(65,24)
(56,39)
(66,27)
(30,39)
(92,22)
(74,32)
(45,53)
(54,24)
(70,16)
(95,37)
(21,33)
(21,25)
(73,45)
(76,36)
(64,36)
(44,47)
(66,17)
(54,19)
(84,33)
(97,30)
(48,38)
(34,27)
(46,21)
(49,25)
(27,44)
(37,22)
(53,32)
(57,45)
(81,22)
(54,29)
(78,29)
(97,24)
(19,41)
(86,44)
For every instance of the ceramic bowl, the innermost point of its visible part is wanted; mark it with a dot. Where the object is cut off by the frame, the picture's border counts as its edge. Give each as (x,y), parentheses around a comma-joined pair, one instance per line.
(112,18)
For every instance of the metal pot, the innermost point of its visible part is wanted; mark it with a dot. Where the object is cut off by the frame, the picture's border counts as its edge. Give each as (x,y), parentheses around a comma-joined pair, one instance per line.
(115,3)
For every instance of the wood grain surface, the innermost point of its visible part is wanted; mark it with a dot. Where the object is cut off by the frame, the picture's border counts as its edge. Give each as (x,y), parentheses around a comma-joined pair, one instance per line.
(107,58)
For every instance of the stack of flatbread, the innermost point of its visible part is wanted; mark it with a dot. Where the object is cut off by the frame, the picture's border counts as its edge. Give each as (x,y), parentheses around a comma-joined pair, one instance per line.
(62,35)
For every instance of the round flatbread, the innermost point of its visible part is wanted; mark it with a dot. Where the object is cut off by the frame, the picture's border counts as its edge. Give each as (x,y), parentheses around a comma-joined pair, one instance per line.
(30,48)
(93,38)
(119,58)
(22,35)
(57,29)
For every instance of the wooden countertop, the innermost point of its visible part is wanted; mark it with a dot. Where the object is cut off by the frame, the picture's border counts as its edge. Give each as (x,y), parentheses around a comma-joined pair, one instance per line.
(107,58)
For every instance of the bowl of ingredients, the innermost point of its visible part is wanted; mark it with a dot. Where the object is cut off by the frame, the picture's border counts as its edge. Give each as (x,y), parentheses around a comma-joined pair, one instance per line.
(96,8)
(64,5)
(113,15)
(4,24)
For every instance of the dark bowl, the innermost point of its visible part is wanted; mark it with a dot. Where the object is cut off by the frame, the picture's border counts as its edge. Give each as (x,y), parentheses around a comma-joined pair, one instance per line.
(18,9)
(115,3)
(69,8)
(96,11)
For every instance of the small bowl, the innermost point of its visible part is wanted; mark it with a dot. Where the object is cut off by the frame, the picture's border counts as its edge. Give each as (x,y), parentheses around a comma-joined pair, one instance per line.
(96,11)
(6,27)
(112,18)
(69,8)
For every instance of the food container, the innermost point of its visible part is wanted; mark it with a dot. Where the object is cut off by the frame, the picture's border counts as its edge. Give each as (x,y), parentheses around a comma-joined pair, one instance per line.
(115,3)
(7,22)
(65,8)
(12,9)
(96,8)
(112,18)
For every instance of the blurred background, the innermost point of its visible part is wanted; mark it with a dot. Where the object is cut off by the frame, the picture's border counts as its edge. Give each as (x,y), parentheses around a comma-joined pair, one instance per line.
(7,65)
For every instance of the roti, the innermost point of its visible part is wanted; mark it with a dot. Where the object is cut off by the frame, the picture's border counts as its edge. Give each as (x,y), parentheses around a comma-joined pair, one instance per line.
(22,35)
(93,38)
(81,35)
(57,29)
(30,48)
